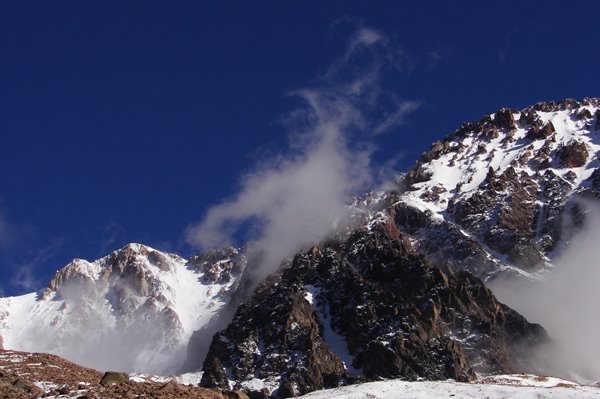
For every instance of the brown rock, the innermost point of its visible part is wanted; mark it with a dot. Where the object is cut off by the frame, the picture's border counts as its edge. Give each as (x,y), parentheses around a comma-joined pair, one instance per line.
(540,133)
(574,154)
(170,386)
(504,118)
(262,394)
(159,260)
(528,117)
(417,174)
(545,106)
(29,387)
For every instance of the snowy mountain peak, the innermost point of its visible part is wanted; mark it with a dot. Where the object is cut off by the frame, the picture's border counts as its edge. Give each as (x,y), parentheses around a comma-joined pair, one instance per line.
(132,261)
(560,137)
(386,296)
(502,191)
(147,303)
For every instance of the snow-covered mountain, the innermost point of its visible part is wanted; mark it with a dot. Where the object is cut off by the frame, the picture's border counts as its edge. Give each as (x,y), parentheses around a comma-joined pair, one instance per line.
(399,294)
(134,309)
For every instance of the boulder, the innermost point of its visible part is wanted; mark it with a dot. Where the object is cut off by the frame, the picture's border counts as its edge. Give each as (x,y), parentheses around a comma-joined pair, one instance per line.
(114,378)
(28,387)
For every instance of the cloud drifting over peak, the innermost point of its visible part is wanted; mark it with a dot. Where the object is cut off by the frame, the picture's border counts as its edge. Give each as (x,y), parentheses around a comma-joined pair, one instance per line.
(296,198)
(565,301)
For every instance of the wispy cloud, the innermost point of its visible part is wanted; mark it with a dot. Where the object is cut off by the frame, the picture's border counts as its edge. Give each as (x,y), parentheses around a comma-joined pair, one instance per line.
(507,46)
(110,235)
(296,198)
(26,274)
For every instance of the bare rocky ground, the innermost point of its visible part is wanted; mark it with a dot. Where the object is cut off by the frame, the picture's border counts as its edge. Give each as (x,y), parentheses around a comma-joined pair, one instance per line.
(26,375)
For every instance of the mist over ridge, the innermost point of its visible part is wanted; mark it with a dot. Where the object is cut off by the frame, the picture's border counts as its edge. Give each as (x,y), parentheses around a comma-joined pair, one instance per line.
(297,198)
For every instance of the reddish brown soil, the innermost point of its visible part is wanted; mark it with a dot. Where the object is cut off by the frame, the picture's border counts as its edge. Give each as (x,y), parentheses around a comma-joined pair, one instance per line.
(26,375)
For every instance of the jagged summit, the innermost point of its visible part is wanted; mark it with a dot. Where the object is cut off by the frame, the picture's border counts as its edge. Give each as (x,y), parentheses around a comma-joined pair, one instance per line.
(135,308)
(131,256)
(503,188)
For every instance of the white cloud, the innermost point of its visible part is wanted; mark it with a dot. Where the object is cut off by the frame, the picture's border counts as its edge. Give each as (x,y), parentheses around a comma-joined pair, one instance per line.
(566,301)
(25,276)
(296,198)
(364,37)
(110,234)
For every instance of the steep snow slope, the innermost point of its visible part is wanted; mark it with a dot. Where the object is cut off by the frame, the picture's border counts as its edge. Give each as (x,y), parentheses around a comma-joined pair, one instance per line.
(134,309)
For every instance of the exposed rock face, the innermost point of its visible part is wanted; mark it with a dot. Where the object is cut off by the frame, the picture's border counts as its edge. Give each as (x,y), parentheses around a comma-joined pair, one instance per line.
(400,296)
(367,308)
(219,265)
(504,117)
(574,154)
(537,131)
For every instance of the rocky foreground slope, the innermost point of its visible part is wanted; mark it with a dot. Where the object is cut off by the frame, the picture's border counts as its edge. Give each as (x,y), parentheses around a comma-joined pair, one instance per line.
(25,375)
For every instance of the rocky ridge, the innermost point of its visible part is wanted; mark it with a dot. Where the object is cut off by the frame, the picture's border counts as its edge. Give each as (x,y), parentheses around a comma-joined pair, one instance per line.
(499,194)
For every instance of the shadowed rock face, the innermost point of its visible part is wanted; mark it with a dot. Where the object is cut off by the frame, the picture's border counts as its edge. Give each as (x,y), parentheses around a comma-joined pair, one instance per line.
(374,304)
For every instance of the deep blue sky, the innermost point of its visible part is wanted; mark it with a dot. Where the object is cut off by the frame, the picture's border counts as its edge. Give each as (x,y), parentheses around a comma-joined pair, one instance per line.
(124,121)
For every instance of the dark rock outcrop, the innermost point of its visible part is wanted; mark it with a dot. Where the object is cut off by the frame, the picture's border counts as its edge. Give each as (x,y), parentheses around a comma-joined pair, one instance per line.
(574,154)
(387,312)
(537,131)
(504,118)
